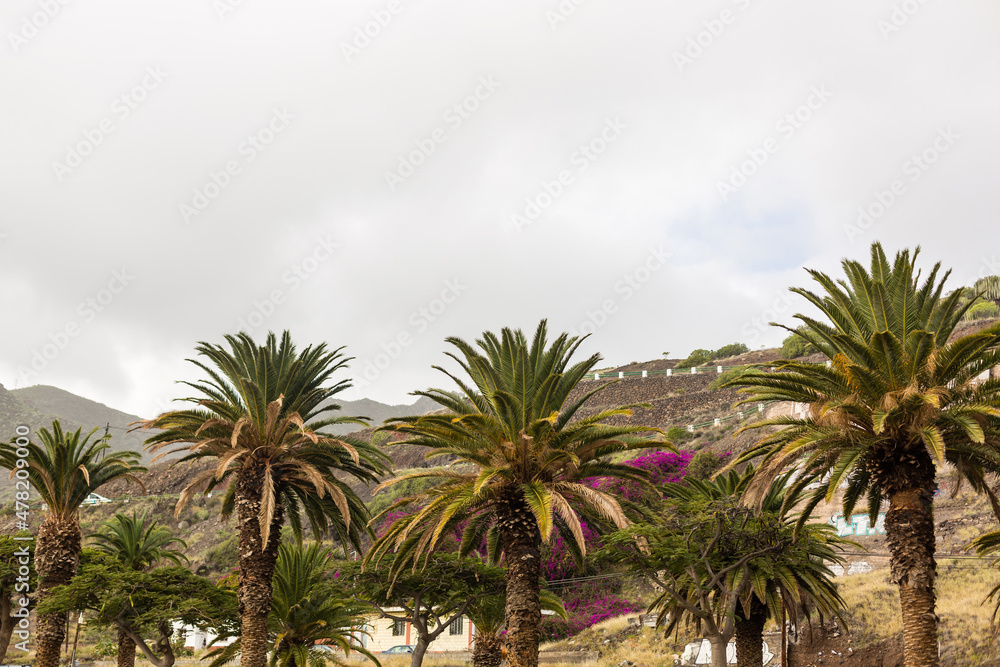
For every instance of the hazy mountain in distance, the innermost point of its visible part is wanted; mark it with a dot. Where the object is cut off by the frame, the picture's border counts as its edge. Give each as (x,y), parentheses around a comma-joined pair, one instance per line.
(73,412)
(379,412)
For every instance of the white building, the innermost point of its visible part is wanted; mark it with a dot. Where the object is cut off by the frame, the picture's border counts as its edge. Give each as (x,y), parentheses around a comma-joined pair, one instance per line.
(384,633)
(199,639)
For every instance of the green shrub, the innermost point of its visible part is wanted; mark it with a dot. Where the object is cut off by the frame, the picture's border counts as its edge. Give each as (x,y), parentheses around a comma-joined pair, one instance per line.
(696,358)
(983,310)
(704,464)
(730,350)
(105,648)
(700,357)
(732,373)
(678,435)
(796,346)
(225,555)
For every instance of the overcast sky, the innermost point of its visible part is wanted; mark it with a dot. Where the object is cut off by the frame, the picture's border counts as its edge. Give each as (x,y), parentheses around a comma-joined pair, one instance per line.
(384,174)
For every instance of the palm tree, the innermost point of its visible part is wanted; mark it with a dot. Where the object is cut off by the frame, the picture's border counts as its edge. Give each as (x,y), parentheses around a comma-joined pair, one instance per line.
(138,545)
(64,469)
(897,401)
(527,453)
(261,416)
(795,578)
(487,614)
(311,616)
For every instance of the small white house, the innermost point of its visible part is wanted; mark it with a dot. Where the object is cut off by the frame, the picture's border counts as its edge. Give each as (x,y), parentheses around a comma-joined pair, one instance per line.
(199,639)
(384,633)
(96,499)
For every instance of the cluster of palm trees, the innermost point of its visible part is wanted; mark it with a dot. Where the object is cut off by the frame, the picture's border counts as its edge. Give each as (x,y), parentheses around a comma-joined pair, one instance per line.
(899,399)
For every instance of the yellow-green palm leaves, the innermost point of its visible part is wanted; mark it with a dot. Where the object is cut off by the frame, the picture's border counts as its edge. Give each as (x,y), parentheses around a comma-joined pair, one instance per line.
(264,408)
(515,430)
(68,466)
(897,390)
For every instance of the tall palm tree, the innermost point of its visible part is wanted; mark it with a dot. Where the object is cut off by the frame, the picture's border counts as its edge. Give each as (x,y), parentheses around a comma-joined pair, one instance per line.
(796,578)
(527,453)
(64,469)
(311,618)
(897,401)
(261,416)
(138,544)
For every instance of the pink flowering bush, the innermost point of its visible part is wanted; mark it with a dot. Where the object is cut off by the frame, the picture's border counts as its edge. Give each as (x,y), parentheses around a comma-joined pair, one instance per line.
(587,604)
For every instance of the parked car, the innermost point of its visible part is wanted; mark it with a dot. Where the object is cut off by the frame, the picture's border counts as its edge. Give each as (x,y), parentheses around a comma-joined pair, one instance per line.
(402,648)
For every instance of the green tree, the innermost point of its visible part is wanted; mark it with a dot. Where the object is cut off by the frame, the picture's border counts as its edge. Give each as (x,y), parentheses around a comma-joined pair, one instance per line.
(138,544)
(523,453)
(796,346)
(64,469)
(430,598)
(15,586)
(796,577)
(144,605)
(311,615)
(897,401)
(260,415)
(720,564)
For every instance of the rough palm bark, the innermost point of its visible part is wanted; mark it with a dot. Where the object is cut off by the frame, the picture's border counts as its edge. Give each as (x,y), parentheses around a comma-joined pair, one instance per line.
(126,650)
(521,541)
(909,527)
(256,568)
(750,634)
(487,651)
(57,556)
(6,625)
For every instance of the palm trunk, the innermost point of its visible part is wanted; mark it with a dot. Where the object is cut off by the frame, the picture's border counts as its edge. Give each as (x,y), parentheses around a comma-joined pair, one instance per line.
(57,555)
(520,539)
(750,635)
(486,651)
(256,568)
(126,650)
(909,528)
(6,620)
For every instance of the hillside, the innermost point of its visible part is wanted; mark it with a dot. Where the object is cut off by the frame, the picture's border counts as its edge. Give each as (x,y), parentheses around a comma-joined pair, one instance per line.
(74,412)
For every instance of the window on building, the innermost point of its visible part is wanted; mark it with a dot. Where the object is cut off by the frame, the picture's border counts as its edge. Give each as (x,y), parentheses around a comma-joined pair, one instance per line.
(456,627)
(398,628)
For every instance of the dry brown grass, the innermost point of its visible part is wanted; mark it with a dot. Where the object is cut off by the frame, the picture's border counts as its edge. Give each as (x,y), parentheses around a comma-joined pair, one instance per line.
(966,636)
